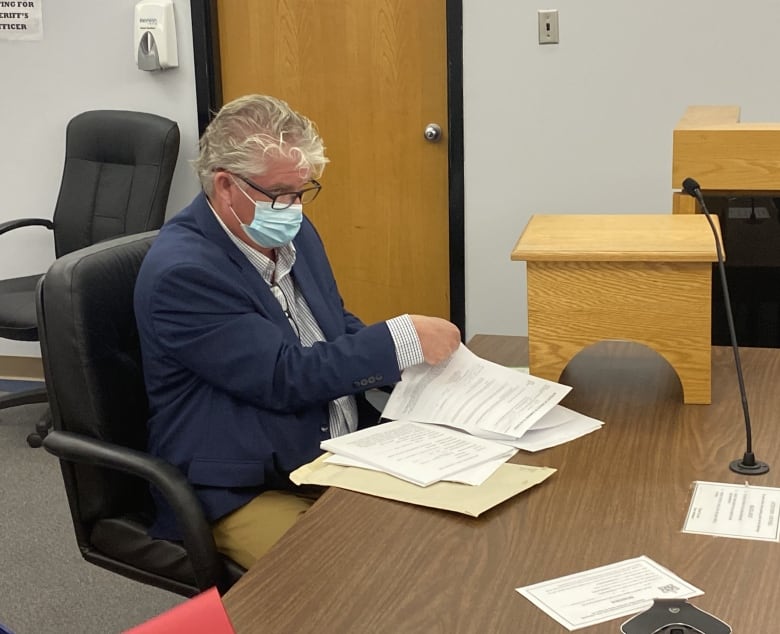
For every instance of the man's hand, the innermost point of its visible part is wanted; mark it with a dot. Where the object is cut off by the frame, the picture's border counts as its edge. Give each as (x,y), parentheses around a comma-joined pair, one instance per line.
(438,337)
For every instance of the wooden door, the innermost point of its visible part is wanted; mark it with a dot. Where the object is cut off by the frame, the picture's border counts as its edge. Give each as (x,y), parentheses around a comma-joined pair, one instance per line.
(372,75)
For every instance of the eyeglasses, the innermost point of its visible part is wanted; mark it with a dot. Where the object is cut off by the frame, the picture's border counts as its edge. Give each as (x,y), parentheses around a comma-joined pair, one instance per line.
(284,200)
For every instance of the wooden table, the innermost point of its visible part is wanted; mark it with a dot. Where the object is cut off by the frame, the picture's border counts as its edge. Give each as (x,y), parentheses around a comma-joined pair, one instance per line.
(355,563)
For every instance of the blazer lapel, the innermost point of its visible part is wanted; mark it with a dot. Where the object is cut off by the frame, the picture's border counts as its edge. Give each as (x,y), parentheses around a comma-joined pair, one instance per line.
(329,322)
(261,294)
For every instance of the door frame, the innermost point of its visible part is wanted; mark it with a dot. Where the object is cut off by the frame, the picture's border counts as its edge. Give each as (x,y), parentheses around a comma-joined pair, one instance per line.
(208,90)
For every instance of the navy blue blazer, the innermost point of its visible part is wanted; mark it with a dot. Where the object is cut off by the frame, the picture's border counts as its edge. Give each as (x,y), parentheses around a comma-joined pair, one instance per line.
(236,402)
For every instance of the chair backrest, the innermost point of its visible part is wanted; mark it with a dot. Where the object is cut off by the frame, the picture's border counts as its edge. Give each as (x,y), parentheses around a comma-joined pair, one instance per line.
(117,176)
(92,364)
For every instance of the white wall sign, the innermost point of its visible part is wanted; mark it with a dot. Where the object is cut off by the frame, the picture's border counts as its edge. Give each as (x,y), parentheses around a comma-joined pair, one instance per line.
(21,20)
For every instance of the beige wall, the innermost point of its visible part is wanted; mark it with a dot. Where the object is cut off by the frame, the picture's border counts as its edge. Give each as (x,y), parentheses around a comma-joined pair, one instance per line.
(84,61)
(586,126)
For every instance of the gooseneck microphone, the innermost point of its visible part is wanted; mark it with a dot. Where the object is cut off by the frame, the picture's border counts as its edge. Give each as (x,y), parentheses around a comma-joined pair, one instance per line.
(748,465)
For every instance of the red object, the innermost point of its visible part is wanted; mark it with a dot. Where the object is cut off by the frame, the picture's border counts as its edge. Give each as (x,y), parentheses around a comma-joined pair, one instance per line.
(203,614)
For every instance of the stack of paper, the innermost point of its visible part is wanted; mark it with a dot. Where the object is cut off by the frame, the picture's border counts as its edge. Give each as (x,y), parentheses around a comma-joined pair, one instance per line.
(489,401)
(459,422)
(419,453)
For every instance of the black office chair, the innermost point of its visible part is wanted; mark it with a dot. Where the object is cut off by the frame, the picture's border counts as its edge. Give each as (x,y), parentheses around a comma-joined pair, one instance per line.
(92,365)
(117,176)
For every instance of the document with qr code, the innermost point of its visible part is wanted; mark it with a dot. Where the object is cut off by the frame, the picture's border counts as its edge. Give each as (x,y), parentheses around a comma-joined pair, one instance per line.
(608,592)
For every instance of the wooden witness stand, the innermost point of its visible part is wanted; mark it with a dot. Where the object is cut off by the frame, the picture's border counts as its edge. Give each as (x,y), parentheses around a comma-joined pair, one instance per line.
(646,278)
(725,156)
(641,278)
(737,166)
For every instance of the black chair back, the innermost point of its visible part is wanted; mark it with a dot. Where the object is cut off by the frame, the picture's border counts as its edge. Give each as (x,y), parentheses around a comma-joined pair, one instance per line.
(118,170)
(92,365)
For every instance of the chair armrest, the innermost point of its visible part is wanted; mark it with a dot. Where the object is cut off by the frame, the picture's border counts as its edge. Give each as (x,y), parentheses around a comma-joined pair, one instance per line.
(169,481)
(5,227)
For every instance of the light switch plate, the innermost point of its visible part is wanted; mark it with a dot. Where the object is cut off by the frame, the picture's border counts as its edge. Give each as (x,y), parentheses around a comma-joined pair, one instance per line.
(548,26)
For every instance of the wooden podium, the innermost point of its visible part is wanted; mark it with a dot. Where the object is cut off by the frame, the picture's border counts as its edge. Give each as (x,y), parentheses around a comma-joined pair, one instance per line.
(642,278)
(738,167)
(725,156)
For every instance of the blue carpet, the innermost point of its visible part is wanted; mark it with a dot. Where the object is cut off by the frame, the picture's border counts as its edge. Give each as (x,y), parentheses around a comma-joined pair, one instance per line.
(19,386)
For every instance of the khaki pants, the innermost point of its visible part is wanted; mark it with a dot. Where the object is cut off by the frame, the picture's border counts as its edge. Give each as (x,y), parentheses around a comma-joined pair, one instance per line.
(248,532)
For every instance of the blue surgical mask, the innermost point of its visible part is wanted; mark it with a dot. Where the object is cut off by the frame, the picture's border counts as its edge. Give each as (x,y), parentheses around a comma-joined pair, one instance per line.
(271,228)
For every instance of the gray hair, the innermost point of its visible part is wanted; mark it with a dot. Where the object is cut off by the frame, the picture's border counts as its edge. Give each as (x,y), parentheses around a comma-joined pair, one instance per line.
(249,131)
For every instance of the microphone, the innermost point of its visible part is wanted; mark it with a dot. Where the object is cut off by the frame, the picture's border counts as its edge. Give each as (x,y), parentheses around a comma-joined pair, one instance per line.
(748,465)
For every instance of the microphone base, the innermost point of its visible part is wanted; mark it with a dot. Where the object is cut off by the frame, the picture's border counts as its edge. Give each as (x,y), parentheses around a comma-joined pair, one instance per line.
(756,467)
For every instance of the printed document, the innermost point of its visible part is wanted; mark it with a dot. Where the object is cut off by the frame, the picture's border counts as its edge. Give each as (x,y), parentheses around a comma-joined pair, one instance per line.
(419,453)
(734,510)
(608,592)
(558,426)
(469,393)
(473,476)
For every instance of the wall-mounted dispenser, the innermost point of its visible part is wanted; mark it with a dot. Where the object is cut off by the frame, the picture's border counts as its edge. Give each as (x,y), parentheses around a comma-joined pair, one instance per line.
(155,35)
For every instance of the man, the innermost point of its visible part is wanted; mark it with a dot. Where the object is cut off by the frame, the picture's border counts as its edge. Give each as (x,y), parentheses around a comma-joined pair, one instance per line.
(250,358)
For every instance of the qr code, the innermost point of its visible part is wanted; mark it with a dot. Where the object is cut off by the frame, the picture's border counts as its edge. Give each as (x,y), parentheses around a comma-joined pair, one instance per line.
(669,588)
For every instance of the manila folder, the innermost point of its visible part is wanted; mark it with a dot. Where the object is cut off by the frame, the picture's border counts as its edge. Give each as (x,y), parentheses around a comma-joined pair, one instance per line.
(508,480)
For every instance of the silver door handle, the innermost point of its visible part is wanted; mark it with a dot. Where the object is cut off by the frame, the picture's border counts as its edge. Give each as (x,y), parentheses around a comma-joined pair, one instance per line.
(432,132)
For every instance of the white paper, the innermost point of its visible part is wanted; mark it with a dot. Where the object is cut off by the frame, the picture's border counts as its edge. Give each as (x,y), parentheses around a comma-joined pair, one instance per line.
(544,436)
(608,592)
(419,453)
(470,393)
(21,20)
(473,476)
(558,415)
(734,510)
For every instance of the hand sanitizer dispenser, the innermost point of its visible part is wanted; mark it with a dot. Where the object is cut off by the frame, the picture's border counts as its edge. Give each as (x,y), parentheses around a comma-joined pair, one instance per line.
(155,35)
